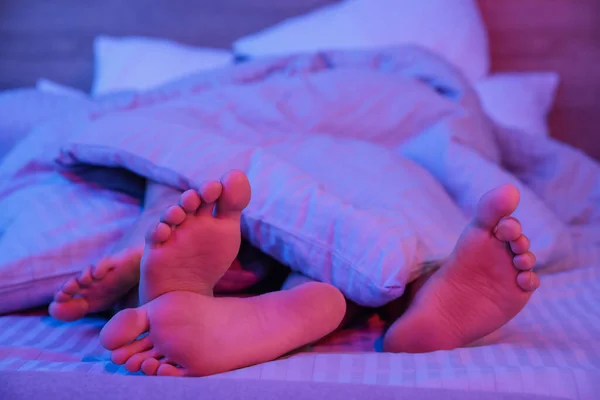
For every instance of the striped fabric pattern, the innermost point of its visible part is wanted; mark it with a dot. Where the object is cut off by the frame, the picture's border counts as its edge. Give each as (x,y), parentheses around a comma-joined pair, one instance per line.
(276,119)
(552,347)
(333,198)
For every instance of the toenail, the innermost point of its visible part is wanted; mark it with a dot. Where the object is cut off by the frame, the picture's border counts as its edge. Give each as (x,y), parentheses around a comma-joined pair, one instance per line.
(530,275)
(532,282)
(524,262)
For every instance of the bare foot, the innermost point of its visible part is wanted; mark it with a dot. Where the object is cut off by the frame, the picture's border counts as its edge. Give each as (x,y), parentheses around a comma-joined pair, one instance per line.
(112,283)
(244,272)
(192,333)
(113,279)
(98,287)
(485,282)
(196,335)
(197,240)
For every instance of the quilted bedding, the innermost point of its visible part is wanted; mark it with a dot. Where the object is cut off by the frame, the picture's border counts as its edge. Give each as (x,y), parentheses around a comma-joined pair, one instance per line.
(363,166)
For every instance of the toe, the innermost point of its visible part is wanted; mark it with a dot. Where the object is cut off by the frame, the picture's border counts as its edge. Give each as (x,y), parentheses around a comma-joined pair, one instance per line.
(236,194)
(528,281)
(209,193)
(169,370)
(61,297)
(134,363)
(173,215)
(508,229)
(496,204)
(525,261)
(123,354)
(124,328)
(85,278)
(521,245)
(150,366)
(100,270)
(71,287)
(127,257)
(71,310)
(159,234)
(190,201)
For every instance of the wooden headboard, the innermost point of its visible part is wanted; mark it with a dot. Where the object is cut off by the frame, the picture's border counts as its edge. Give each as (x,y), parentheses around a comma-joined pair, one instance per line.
(554,35)
(53,39)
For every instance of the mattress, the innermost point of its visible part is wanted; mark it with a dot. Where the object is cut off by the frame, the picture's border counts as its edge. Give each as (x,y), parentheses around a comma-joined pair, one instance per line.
(52,385)
(551,348)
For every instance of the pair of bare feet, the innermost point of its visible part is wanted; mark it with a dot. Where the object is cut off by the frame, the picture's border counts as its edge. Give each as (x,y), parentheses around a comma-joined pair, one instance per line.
(181,329)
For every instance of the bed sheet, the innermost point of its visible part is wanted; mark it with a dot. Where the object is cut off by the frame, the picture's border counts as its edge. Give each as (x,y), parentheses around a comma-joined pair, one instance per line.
(551,348)
(54,385)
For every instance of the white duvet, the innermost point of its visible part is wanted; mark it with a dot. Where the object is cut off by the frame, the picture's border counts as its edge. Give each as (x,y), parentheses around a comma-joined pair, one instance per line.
(363,165)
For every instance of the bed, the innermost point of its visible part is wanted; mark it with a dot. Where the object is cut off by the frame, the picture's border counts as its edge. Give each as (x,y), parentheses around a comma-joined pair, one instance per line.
(550,350)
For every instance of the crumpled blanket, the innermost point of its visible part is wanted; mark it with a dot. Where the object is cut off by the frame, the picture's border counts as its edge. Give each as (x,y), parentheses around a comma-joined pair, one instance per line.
(363,164)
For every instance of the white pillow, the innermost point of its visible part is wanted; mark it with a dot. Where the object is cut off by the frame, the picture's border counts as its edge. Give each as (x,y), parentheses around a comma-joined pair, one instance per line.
(467,176)
(519,100)
(452,28)
(138,63)
(48,86)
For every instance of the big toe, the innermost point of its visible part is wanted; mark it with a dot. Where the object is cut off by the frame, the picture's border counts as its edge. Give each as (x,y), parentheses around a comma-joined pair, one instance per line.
(496,204)
(235,196)
(124,327)
(71,310)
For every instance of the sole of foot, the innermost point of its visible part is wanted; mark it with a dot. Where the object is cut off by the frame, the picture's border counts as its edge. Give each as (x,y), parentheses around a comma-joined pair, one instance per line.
(188,334)
(182,330)
(98,287)
(485,282)
(197,240)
